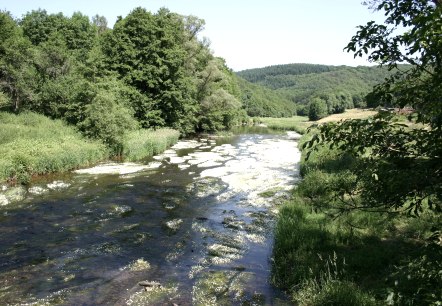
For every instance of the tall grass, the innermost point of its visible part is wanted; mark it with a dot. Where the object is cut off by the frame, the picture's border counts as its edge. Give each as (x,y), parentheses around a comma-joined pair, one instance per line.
(145,143)
(296,123)
(372,244)
(32,144)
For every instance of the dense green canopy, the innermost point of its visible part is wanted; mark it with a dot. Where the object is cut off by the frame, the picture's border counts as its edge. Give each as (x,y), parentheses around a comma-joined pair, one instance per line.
(149,71)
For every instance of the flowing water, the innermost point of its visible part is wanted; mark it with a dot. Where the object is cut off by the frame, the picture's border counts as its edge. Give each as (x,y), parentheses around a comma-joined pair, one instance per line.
(197,220)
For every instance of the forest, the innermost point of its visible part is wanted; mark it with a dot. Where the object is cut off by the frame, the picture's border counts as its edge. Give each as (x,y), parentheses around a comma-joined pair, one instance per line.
(106,85)
(319,90)
(149,71)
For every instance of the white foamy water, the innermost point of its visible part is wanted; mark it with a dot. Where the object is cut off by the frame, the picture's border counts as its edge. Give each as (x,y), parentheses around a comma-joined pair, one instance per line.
(255,167)
(118,168)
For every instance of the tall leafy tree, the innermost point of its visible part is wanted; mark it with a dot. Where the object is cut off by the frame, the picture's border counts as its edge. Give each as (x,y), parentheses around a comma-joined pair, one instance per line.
(218,97)
(16,69)
(400,167)
(147,50)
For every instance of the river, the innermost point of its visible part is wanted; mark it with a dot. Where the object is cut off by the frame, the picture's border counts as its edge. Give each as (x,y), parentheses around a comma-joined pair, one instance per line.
(196,222)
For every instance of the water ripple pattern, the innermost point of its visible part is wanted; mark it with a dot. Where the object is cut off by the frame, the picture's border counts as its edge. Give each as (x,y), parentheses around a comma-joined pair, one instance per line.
(191,226)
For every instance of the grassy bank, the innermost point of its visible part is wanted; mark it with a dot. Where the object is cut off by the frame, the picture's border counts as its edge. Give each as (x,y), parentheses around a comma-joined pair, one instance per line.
(296,123)
(145,143)
(301,123)
(322,257)
(32,144)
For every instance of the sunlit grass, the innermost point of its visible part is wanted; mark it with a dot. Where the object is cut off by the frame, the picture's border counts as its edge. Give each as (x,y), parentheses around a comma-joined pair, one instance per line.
(145,143)
(32,144)
(355,113)
(296,123)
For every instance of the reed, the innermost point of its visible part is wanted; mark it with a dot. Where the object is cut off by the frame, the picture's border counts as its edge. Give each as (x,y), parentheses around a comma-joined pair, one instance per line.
(32,144)
(146,143)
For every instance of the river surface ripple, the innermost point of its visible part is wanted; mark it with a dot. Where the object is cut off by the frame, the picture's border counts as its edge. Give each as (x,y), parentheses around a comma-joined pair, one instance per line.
(197,220)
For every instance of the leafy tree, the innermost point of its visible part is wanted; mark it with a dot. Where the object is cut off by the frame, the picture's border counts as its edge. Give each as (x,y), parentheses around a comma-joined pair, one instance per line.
(108,120)
(16,69)
(217,95)
(317,109)
(148,52)
(399,167)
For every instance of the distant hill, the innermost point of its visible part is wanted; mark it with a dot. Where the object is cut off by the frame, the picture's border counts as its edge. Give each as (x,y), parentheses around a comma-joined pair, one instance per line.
(258,75)
(261,101)
(339,87)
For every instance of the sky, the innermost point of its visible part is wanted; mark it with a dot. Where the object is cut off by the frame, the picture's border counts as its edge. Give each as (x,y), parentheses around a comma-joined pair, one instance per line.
(246,33)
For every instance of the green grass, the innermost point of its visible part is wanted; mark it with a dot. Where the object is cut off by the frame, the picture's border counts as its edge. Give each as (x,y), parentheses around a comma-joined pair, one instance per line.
(376,256)
(296,123)
(31,144)
(145,143)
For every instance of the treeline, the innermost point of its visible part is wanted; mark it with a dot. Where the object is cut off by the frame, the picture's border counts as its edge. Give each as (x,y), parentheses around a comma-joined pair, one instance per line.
(260,101)
(319,90)
(262,74)
(149,71)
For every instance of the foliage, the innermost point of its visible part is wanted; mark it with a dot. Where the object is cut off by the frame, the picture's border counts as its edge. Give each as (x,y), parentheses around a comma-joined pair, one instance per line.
(317,109)
(378,252)
(108,120)
(260,101)
(219,105)
(150,71)
(32,144)
(418,281)
(140,144)
(417,43)
(399,166)
(262,74)
(340,87)
(395,163)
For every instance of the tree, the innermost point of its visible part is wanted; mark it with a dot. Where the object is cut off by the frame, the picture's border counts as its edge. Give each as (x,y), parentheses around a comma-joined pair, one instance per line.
(16,69)
(399,168)
(317,109)
(147,50)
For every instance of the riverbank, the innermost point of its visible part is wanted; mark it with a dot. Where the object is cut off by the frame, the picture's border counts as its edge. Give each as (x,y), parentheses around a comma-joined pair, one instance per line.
(33,145)
(357,258)
(208,205)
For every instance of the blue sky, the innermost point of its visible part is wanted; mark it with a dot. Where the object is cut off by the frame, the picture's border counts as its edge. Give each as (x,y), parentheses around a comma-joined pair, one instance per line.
(247,33)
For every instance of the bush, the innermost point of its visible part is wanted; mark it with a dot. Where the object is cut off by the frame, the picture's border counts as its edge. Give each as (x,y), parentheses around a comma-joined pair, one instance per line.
(108,120)
(317,109)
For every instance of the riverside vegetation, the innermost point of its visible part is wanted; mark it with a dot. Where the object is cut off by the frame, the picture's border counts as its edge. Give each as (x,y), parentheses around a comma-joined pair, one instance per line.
(356,258)
(363,227)
(32,144)
(150,71)
(126,92)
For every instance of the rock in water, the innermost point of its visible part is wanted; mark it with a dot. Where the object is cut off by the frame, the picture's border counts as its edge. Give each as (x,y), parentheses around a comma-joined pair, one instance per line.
(150,285)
